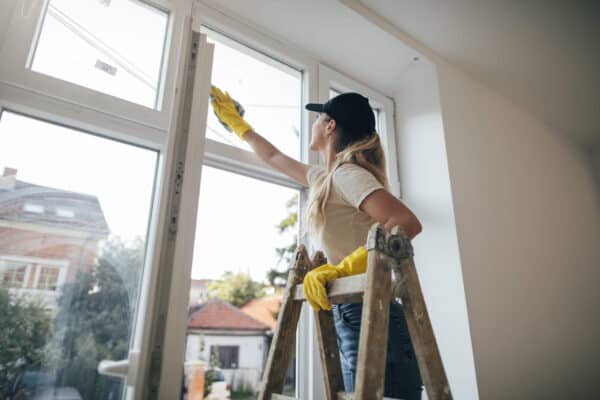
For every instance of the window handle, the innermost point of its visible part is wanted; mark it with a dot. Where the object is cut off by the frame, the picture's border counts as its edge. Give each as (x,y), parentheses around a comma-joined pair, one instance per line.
(126,369)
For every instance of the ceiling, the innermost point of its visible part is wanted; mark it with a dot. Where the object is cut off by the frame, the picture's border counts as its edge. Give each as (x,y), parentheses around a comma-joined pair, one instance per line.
(542,55)
(331,32)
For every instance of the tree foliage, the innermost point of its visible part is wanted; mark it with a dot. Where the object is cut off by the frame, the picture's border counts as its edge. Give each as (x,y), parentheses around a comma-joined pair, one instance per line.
(276,277)
(24,329)
(237,289)
(93,321)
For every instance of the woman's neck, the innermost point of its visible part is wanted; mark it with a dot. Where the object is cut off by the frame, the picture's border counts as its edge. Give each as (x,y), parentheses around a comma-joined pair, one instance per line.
(329,156)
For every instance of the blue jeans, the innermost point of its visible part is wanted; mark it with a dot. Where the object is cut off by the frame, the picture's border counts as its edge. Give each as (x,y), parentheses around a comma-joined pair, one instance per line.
(402,377)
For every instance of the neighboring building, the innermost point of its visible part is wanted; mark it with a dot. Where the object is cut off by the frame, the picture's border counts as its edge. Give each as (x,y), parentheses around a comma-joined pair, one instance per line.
(46,236)
(264,309)
(218,330)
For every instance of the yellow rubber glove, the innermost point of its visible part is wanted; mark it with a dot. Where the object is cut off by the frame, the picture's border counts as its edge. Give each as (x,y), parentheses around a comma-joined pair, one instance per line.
(227,112)
(315,281)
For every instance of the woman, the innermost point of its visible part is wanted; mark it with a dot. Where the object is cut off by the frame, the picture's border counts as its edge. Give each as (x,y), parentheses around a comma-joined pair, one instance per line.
(346,197)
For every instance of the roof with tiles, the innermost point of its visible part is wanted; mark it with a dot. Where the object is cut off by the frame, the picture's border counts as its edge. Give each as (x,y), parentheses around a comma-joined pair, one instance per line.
(264,309)
(219,314)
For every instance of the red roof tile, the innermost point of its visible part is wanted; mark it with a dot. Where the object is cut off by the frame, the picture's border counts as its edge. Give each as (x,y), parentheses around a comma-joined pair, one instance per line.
(264,309)
(218,314)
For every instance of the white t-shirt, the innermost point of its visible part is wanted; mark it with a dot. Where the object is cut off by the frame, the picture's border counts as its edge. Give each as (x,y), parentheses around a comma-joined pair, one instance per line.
(346,226)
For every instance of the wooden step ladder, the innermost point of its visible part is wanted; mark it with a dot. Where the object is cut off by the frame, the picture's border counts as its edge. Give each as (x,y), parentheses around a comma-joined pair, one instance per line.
(390,274)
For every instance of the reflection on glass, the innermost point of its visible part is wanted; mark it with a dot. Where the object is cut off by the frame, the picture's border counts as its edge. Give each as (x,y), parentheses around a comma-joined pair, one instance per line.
(74,212)
(270,94)
(246,237)
(112,46)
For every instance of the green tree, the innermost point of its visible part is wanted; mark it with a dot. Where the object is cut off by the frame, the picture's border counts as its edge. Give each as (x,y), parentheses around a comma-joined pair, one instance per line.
(237,289)
(276,277)
(93,321)
(24,330)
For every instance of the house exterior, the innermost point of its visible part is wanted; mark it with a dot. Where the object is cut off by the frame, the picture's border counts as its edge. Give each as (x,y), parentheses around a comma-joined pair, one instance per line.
(264,309)
(46,236)
(220,332)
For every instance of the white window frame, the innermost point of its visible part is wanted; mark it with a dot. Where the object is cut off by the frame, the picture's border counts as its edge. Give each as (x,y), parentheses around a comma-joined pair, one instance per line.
(18,51)
(39,96)
(62,103)
(39,262)
(317,80)
(27,269)
(266,48)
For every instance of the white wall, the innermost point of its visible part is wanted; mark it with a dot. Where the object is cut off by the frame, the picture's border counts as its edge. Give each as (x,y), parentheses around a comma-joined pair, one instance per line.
(426,190)
(528,221)
(251,356)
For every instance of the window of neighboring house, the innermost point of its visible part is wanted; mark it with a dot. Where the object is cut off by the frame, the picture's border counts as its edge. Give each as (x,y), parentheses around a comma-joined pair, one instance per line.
(13,274)
(65,213)
(227,356)
(48,277)
(33,208)
(112,46)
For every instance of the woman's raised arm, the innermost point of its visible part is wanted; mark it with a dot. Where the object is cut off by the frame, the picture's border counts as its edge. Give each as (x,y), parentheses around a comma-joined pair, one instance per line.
(276,159)
(226,111)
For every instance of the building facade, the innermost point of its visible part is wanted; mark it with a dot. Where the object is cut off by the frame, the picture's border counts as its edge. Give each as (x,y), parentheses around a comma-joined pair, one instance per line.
(47,235)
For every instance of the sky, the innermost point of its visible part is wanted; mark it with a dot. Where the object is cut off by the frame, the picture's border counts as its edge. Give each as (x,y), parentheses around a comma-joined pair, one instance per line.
(237,216)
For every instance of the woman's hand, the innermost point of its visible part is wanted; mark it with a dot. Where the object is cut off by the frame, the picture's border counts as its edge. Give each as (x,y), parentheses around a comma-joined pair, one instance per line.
(227,113)
(314,282)
(314,286)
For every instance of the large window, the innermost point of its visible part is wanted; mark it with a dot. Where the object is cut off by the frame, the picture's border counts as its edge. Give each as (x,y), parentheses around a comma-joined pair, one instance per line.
(74,212)
(13,274)
(86,95)
(247,226)
(112,46)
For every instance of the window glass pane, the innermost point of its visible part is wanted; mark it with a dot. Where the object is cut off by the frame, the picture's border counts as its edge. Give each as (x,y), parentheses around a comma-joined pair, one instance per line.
(70,266)
(246,238)
(270,94)
(112,46)
(13,273)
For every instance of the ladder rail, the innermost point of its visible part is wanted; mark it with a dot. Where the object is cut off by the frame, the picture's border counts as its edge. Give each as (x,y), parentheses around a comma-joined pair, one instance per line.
(328,348)
(285,331)
(391,273)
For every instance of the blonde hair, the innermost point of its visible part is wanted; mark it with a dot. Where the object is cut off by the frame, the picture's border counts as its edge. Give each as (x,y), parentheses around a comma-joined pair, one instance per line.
(367,153)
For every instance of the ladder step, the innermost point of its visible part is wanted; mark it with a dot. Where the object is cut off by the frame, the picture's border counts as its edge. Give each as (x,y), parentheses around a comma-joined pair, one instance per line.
(343,290)
(340,396)
(350,396)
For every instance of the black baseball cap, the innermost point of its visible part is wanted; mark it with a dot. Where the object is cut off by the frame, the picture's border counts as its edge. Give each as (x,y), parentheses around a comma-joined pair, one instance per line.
(350,110)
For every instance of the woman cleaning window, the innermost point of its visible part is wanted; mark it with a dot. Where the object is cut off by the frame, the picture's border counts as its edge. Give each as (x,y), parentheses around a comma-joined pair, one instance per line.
(346,196)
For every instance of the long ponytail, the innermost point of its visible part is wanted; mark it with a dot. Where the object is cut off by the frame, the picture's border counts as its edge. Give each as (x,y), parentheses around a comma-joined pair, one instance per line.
(367,153)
